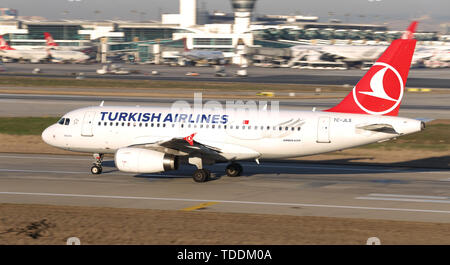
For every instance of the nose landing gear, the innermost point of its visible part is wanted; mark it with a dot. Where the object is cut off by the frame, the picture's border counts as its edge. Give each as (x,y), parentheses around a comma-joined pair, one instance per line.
(97,165)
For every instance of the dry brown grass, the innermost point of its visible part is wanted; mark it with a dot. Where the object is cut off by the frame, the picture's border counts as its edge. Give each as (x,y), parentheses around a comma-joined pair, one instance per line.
(131,226)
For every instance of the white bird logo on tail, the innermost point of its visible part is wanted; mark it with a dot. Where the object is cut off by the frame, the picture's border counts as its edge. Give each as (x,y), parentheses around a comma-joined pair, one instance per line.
(376,84)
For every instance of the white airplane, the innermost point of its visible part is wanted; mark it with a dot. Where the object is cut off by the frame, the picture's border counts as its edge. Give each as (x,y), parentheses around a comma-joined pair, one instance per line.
(155,139)
(346,53)
(41,55)
(34,56)
(353,55)
(215,57)
(58,55)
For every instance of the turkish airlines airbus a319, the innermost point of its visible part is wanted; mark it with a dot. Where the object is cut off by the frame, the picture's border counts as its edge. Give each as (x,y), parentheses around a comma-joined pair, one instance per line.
(154,139)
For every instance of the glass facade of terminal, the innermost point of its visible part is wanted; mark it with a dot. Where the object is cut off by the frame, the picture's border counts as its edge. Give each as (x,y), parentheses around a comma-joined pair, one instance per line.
(213,41)
(59,32)
(143,34)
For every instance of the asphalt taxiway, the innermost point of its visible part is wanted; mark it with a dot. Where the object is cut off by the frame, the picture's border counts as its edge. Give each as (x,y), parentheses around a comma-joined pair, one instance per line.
(414,105)
(291,188)
(422,78)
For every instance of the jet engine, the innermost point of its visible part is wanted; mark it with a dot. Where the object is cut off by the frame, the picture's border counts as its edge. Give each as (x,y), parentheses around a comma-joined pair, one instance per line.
(139,160)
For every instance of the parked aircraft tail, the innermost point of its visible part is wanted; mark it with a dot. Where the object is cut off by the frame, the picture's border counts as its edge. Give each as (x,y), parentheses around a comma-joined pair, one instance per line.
(50,41)
(4,45)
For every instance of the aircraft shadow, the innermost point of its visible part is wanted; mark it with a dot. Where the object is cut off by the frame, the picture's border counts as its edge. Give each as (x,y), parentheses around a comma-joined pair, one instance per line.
(347,166)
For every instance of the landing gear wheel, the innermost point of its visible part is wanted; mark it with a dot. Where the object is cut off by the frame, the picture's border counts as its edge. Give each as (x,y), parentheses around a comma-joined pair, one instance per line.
(201,175)
(97,167)
(96,170)
(233,170)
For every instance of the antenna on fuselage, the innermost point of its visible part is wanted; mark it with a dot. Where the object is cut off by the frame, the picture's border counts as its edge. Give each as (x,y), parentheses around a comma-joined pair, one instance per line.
(101,104)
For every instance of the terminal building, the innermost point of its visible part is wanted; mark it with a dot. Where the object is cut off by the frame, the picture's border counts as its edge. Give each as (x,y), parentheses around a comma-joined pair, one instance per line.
(202,30)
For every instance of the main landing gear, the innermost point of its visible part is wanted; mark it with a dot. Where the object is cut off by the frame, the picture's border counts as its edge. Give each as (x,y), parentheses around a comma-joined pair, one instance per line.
(203,175)
(97,165)
(234,170)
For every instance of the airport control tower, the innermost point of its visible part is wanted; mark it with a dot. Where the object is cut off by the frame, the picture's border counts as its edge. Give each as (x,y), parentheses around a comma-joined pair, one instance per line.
(242,14)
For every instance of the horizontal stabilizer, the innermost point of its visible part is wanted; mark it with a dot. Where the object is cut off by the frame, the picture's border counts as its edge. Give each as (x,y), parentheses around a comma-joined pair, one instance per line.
(384,128)
(424,119)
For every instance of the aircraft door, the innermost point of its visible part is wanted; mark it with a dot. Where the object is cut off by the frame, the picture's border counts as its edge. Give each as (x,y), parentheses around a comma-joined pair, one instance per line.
(88,122)
(323,130)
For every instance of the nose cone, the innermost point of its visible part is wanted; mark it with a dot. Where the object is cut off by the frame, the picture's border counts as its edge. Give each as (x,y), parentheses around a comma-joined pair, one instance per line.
(47,136)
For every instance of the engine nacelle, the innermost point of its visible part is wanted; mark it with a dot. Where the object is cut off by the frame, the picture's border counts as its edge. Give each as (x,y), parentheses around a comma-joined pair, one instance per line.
(139,160)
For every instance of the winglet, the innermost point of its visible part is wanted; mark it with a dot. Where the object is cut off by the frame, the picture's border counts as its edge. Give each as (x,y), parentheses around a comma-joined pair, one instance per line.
(409,33)
(190,138)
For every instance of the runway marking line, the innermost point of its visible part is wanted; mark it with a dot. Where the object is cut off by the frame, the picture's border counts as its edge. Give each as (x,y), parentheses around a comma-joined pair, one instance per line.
(405,198)
(199,207)
(226,201)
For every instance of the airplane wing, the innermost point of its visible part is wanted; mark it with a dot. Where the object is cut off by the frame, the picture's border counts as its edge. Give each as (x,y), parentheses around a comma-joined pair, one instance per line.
(384,128)
(189,147)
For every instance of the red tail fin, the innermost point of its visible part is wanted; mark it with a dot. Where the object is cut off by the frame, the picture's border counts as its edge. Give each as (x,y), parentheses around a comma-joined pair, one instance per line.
(4,45)
(185,45)
(50,41)
(409,33)
(381,89)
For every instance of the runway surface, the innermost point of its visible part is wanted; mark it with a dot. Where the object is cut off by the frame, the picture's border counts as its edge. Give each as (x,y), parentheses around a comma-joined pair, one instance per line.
(428,78)
(431,105)
(290,188)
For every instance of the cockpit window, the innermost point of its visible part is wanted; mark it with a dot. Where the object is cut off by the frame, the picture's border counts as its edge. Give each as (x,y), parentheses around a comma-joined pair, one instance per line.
(67,122)
(61,121)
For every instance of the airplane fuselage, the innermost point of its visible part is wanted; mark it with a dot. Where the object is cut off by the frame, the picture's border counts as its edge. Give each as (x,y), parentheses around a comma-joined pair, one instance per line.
(239,136)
